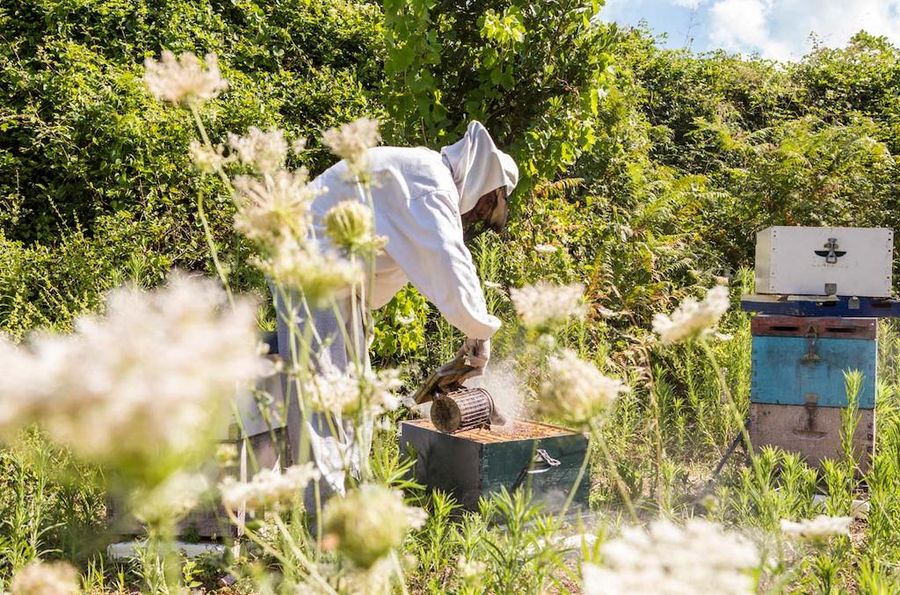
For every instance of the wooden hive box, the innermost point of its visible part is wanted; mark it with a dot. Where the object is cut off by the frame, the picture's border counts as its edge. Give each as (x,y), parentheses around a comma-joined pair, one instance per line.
(261,430)
(811,431)
(798,390)
(802,360)
(848,261)
(478,463)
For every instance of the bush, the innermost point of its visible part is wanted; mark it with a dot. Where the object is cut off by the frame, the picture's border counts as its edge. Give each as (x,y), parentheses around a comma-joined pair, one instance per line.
(94,173)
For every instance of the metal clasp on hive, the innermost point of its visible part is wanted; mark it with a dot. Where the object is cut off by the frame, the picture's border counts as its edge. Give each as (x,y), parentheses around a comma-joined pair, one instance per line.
(811,357)
(543,458)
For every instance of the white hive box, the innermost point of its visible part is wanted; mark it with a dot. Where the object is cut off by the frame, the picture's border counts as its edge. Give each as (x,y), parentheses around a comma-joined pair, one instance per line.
(844,261)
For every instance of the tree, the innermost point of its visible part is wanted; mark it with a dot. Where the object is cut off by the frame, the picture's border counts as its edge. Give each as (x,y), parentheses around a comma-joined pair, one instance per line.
(533,72)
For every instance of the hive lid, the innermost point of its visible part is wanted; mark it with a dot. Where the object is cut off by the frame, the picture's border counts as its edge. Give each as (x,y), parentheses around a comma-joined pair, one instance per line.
(519,430)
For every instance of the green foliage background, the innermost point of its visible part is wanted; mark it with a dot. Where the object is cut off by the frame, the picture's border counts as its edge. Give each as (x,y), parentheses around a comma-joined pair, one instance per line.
(650,169)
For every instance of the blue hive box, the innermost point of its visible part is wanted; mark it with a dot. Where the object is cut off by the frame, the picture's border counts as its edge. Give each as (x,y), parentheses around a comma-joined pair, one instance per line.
(801,361)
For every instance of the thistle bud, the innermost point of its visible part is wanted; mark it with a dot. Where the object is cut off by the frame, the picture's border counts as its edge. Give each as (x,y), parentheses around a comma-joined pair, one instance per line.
(368,523)
(350,226)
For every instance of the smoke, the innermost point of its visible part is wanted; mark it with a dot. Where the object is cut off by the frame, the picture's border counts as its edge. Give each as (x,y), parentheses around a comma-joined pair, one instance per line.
(502,382)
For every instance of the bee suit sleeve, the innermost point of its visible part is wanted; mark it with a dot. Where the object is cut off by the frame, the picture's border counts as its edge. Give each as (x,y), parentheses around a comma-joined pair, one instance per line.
(426,240)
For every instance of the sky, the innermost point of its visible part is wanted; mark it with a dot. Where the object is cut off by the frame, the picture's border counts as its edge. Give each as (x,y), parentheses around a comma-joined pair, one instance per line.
(776,29)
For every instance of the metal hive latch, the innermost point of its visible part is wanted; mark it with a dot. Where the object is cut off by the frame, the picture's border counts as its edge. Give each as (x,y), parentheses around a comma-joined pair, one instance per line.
(811,357)
(546,462)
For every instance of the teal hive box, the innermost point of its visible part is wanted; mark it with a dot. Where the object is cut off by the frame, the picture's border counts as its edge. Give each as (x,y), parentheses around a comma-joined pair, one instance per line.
(802,361)
(479,463)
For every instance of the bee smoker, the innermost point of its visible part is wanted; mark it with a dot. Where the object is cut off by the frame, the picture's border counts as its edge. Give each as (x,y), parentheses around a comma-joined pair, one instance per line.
(456,408)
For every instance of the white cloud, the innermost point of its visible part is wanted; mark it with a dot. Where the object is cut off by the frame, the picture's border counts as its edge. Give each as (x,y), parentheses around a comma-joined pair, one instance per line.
(691,4)
(781,29)
(618,10)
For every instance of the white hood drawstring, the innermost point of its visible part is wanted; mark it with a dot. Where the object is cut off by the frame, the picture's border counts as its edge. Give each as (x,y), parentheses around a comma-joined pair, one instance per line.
(478,166)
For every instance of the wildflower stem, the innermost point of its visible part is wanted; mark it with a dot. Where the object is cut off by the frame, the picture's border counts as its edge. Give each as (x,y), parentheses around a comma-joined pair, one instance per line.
(301,396)
(244,437)
(578,479)
(161,542)
(213,251)
(659,449)
(400,574)
(205,138)
(365,190)
(201,211)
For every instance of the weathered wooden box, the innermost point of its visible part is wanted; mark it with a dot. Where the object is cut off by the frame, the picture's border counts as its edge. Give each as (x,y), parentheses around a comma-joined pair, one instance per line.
(478,463)
(260,436)
(847,261)
(811,431)
(802,360)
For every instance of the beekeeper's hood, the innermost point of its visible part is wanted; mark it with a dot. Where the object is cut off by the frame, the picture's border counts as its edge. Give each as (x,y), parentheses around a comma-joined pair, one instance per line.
(478,166)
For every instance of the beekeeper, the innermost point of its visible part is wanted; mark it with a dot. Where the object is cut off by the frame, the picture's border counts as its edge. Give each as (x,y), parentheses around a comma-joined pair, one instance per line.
(426,203)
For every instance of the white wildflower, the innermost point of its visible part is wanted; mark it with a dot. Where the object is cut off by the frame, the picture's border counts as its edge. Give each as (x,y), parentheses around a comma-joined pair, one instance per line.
(544,304)
(183,79)
(226,454)
(269,488)
(263,151)
(351,143)
(818,529)
(692,318)
(347,393)
(274,207)
(147,381)
(545,249)
(206,159)
(172,499)
(470,568)
(368,523)
(699,558)
(351,226)
(302,266)
(546,341)
(575,389)
(46,578)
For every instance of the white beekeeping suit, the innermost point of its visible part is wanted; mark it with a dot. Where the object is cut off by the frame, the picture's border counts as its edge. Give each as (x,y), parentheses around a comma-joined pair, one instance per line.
(419,196)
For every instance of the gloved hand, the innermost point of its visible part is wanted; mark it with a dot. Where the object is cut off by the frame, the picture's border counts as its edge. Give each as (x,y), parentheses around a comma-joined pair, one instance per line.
(478,351)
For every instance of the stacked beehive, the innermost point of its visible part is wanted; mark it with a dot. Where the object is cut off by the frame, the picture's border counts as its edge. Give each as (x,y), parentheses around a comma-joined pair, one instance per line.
(832,282)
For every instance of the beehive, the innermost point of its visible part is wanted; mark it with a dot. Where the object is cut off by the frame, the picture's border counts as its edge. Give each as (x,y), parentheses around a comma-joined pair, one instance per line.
(802,361)
(259,438)
(798,391)
(469,465)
